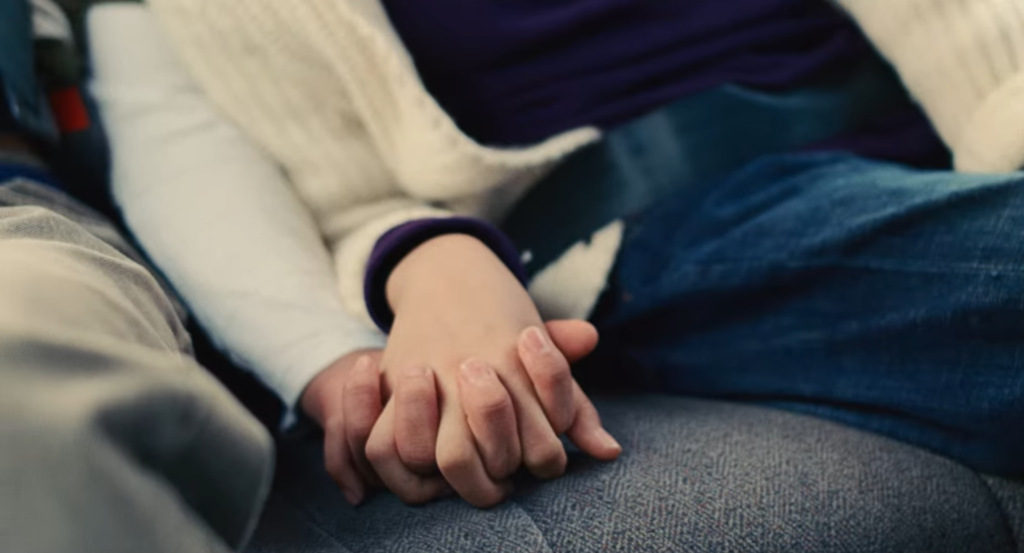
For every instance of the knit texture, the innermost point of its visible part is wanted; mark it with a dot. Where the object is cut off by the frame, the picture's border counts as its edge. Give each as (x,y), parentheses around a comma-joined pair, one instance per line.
(964,61)
(215,213)
(327,88)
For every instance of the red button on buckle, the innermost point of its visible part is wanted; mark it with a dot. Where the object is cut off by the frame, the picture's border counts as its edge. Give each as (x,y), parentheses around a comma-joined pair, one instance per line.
(69,110)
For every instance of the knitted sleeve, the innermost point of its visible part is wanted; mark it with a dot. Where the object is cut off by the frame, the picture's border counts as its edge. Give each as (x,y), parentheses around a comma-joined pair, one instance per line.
(328,90)
(215,213)
(964,62)
(260,64)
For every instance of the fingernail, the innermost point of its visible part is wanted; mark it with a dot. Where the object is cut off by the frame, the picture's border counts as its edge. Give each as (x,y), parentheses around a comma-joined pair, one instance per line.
(536,340)
(606,439)
(476,371)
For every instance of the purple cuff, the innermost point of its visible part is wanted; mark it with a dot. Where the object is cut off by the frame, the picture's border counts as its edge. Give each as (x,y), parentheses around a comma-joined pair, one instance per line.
(398,242)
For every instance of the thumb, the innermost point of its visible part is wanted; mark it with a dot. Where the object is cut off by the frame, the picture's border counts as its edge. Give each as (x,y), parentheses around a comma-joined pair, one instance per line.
(576,339)
(587,432)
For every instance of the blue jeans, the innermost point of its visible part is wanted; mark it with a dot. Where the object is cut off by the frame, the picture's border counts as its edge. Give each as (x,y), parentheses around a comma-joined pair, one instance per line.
(887,298)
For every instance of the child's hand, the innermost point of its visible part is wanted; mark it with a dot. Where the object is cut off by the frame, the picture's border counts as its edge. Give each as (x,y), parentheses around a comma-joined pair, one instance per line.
(345,400)
(453,301)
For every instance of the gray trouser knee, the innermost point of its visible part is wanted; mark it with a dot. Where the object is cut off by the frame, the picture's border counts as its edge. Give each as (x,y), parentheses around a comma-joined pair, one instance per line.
(112,438)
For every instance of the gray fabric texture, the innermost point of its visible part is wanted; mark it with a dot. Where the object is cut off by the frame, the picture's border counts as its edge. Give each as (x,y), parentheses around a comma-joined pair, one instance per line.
(1010,495)
(112,439)
(695,476)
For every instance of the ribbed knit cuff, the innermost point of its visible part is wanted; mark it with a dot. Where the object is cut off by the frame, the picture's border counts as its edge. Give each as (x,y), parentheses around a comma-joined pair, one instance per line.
(393,246)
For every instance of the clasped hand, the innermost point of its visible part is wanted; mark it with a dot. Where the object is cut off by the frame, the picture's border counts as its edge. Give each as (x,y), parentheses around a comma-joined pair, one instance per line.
(471,387)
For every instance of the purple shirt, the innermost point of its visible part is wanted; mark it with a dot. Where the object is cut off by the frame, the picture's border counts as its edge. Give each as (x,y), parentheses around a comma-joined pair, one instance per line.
(514,72)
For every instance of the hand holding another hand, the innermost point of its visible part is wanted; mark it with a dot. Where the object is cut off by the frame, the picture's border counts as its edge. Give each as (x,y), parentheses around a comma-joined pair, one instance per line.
(475,386)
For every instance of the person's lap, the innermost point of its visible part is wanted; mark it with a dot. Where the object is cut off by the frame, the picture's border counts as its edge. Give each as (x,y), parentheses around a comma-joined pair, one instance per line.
(701,475)
(865,292)
(694,476)
(112,437)
(799,282)
(888,298)
(698,475)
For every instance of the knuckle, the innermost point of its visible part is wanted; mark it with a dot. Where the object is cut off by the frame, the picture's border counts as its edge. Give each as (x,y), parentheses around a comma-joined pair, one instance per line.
(377,452)
(494,405)
(555,378)
(418,457)
(504,463)
(335,426)
(360,390)
(548,461)
(357,432)
(561,419)
(504,468)
(415,398)
(549,374)
(456,462)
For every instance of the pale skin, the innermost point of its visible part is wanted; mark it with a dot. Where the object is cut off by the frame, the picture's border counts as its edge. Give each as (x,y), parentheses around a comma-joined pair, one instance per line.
(471,386)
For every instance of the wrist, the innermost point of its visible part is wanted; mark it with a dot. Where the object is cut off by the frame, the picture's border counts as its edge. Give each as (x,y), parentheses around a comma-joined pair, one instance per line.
(450,260)
(400,242)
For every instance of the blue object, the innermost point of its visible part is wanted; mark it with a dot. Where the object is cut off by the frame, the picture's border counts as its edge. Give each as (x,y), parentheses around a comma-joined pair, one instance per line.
(23,107)
(707,136)
(9,172)
(876,295)
(519,71)
(696,139)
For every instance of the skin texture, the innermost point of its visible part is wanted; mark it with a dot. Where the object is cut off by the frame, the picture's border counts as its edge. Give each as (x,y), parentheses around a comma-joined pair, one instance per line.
(471,387)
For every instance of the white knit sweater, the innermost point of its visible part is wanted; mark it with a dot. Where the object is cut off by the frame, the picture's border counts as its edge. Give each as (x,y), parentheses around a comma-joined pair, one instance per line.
(324,90)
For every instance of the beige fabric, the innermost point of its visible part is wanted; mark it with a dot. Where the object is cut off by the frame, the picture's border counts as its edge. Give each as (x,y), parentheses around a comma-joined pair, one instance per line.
(112,438)
(964,61)
(326,87)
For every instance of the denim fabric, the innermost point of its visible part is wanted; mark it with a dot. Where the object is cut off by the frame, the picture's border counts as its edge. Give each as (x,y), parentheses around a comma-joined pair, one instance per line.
(701,138)
(694,476)
(884,297)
